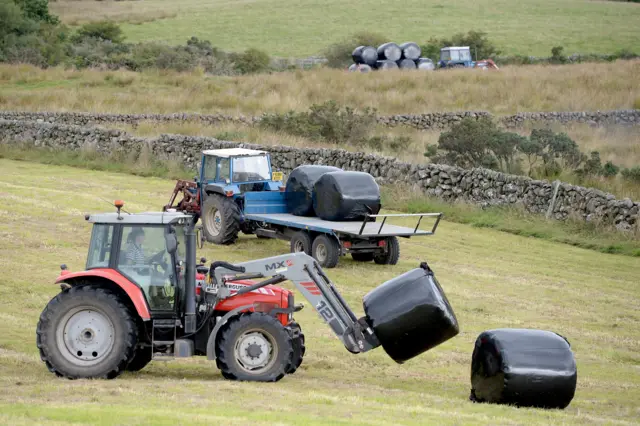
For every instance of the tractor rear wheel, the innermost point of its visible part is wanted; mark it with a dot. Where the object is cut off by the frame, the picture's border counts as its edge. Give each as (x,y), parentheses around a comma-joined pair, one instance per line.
(220,219)
(254,347)
(391,255)
(86,332)
(298,346)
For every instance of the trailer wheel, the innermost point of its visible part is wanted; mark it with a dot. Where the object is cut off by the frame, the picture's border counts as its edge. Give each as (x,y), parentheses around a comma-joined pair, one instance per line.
(301,242)
(362,257)
(86,332)
(326,251)
(255,347)
(220,219)
(391,255)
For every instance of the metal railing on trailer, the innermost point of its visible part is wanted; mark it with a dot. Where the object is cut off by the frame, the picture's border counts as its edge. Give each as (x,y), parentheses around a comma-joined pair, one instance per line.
(415,229)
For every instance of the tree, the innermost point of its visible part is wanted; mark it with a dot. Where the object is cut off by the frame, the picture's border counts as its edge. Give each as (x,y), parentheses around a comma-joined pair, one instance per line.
(505,148)
(532,149)
(37,10)
(467,143)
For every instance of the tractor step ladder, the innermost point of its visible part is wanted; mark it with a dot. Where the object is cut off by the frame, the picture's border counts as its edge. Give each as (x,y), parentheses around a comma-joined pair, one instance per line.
(163,324)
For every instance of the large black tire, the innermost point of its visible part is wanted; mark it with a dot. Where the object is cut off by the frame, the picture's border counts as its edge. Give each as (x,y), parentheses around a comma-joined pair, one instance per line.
(140,359)
(86,332)
(220,219)
(259,333)
(326,251)
(392,253)
(301,242)
(299,348)
(362,257)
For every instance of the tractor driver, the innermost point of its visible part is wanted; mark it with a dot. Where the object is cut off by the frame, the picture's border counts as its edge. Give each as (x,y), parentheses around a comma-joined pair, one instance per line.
(135,252)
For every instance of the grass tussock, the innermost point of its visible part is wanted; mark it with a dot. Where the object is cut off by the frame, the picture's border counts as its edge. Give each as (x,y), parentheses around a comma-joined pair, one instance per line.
(583,87)
(576,233)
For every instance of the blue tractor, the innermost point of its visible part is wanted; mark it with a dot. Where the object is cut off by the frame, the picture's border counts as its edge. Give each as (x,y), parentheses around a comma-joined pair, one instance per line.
(455,57)
(217,196)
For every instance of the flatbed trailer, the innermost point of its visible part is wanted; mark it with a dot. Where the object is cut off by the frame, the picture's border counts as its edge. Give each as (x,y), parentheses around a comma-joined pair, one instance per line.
(372,239)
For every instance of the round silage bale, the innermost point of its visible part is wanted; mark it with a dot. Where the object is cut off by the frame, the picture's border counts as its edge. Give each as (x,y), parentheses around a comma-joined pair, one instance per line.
(389,51)
(410,50)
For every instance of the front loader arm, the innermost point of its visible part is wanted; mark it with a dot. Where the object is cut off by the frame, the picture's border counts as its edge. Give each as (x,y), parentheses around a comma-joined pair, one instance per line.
(309,278)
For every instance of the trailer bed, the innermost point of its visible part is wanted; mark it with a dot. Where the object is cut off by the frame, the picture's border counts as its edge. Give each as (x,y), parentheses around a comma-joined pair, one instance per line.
(355,229)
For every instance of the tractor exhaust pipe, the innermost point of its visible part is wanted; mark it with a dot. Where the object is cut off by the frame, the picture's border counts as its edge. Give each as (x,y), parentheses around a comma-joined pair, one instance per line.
(190,281)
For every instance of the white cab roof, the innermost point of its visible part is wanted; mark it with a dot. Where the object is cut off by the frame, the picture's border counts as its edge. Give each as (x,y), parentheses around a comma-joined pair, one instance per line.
(233,152)
(149,218)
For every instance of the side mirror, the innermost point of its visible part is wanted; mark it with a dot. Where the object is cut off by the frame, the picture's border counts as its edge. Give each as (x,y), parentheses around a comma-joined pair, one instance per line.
(171,242)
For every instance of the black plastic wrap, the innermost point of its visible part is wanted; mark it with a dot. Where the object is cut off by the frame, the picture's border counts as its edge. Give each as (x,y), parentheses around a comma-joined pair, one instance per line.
(407,64)
(345,196)
(299,188)
(410,314)
(410,50)
(389,51)
(365,55)
(386,65)
(523,367)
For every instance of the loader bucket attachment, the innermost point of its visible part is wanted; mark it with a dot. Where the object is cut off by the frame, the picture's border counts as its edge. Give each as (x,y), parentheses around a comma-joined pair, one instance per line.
(410,314)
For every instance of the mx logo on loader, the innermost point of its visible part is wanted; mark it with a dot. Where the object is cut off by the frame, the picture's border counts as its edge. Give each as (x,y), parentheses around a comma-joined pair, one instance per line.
(275,266)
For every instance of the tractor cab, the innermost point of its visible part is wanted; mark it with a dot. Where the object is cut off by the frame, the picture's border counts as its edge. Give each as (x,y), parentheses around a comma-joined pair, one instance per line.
(147,249)
(238,170)
(455,57)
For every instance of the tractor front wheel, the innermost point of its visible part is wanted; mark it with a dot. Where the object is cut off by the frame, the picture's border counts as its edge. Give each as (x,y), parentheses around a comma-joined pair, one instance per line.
(299,349)
(254,347)
(220,219)
(86,332)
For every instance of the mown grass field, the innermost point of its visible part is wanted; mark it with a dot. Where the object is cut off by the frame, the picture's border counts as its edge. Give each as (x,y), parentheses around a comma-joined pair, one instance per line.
(306,27)
(492,279)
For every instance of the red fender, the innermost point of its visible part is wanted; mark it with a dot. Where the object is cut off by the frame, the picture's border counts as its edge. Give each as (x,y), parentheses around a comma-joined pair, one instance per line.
(133,291)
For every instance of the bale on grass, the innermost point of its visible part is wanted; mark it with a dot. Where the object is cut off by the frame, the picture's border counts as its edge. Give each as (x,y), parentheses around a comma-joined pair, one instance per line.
(386,65)
(523,367)
(407,64)
(425,64)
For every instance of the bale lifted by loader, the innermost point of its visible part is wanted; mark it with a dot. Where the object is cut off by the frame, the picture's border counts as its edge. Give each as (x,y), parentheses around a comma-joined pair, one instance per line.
(128,308)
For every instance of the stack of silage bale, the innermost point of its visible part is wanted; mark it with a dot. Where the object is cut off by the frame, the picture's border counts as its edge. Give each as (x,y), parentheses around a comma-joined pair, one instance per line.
(389,56)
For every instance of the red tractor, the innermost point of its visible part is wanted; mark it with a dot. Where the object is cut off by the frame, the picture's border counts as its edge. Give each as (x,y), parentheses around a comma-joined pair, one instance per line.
(144,296)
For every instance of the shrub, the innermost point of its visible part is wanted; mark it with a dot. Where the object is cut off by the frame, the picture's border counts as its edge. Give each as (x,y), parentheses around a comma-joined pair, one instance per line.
(556,55)
(37,10)
(632,174)
(101,30)
(327,122)
(251,61)
(338,55)
(610,170)
(467,143)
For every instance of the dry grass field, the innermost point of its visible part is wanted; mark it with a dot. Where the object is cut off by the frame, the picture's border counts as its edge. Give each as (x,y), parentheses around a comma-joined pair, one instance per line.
(491,278)
(585,87)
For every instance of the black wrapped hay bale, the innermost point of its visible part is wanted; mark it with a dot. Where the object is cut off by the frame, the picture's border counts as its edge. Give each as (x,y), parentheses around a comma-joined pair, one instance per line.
(389,51)
(365,55)
(345,196)
(523,367)
(407,64)
(386,65)
(425,64)
(410,314)
(410,50)
(299,188)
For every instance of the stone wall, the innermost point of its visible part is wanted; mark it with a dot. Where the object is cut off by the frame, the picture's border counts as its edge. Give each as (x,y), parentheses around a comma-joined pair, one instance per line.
(478,186)
(426,121)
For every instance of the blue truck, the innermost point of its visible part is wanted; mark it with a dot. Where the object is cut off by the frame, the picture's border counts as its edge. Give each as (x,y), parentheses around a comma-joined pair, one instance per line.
(237,191)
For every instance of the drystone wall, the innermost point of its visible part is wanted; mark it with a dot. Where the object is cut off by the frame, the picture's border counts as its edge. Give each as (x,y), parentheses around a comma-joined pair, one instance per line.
(477,186)
(426,121)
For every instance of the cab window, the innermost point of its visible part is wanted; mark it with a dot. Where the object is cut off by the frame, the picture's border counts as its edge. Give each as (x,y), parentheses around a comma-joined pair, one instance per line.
(210,168)
(144,260)
(100,246)
(224,171)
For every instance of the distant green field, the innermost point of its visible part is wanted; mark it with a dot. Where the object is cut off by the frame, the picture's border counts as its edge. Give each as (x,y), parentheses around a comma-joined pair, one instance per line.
(306,27)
